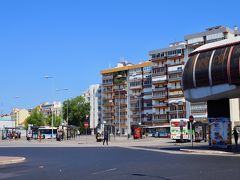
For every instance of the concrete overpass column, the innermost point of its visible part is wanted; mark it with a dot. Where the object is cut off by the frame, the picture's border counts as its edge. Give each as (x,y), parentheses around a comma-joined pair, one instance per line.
(234,111)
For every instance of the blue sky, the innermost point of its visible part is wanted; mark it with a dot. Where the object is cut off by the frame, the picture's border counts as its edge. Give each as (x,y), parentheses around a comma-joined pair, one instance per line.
(73,40)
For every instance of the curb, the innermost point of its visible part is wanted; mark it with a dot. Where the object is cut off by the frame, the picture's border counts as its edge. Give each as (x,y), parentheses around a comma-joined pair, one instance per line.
(206,151)
(5,160)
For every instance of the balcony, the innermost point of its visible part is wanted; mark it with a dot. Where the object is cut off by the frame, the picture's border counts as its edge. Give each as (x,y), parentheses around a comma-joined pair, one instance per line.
(179,71)
(107,77)
(180,111)
(202,111)
(175,95)
(124,117)
(105,91)
(108,111)
(158,73)
(159,97)
(172,79)
(159,105)
(117,88)
(157,89)
(162,58)
(136,87)
(108,117)
(174,88)
(160,117)
(135,109)
(176,56)
(108,104)
(160,82)
(107,83)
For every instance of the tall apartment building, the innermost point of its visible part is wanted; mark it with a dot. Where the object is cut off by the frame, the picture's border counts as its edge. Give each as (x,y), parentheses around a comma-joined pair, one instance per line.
(168,100)
(123,103)
(193,41)
(140,94)
(92,95)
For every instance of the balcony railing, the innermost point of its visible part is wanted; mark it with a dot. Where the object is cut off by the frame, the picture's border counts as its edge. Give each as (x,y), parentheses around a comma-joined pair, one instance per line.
(175,78)
(175,95)
(159,81)
(159,96)
(159,89)
(107,83)
(174,87)
(136,87)
(160,104)
(160,117)
(107,77)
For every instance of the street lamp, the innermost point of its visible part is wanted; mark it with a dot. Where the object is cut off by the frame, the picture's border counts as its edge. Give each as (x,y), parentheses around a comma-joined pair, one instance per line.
(50,77)
(59,90)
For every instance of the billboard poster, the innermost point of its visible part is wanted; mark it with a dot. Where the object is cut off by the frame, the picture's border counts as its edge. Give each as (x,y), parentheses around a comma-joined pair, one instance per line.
(137,133)
(220,132)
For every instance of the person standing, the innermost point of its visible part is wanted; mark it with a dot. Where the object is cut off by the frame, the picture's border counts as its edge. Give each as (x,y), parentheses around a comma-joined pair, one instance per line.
(105,138)
(235,134)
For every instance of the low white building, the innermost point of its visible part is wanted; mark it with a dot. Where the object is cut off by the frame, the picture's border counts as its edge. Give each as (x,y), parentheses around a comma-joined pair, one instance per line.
(6,121)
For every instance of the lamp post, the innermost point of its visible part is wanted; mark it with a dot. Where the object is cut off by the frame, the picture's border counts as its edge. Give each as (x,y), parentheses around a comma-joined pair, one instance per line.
(50,77)
(60,90)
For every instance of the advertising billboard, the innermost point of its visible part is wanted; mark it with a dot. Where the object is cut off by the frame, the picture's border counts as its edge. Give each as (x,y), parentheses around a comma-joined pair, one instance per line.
(220,132)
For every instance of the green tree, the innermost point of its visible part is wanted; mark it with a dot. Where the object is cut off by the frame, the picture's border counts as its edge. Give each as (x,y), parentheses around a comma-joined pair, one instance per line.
(77,109)
(36,118)
(56,120)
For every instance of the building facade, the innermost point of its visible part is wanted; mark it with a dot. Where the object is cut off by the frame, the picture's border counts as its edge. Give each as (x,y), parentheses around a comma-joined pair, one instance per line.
(19,116)
(47,108)
(124,103)
(167,96)
(93,96)
(6,121)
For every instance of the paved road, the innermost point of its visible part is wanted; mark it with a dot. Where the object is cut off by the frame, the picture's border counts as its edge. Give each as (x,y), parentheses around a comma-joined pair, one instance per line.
(115,163)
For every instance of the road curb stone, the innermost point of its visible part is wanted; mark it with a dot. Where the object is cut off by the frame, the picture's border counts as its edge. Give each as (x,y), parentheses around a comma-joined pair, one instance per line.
(5,160)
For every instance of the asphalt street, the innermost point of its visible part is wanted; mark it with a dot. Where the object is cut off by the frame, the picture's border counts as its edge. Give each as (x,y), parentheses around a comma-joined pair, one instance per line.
(115,163)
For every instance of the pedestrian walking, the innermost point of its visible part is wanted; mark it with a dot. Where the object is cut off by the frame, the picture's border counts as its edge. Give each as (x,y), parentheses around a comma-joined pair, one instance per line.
(235,134)
(105,138)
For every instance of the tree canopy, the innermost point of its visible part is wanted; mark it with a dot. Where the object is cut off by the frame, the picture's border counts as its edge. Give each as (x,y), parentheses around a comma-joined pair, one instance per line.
(37,118)
(77,110)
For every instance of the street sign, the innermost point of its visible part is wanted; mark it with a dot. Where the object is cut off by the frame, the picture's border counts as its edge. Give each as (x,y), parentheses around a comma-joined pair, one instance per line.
(191,118)
(86,124)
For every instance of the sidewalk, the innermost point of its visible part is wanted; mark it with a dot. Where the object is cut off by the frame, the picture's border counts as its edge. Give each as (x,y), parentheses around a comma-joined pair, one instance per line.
(5,160)
(149,143)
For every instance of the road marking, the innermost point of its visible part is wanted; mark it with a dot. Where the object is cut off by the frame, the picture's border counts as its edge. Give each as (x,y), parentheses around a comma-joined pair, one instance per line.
(108,170)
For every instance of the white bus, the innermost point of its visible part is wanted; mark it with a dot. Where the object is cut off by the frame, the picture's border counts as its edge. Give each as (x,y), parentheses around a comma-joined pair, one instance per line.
(46,132)
(180,127)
